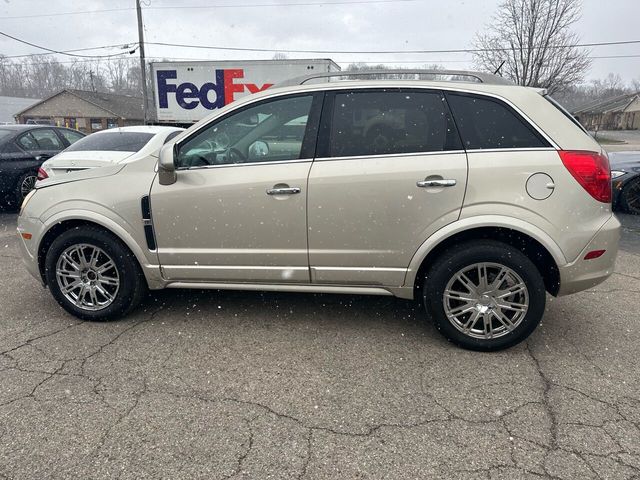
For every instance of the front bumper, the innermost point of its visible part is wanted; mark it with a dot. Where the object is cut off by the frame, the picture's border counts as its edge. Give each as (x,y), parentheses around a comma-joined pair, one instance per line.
(29,248)
(582,274)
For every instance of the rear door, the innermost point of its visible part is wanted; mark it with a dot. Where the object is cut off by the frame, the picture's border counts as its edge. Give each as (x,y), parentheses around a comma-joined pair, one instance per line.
(390,170)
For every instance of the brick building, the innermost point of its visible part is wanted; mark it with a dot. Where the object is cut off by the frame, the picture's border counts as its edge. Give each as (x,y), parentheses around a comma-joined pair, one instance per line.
(85,111)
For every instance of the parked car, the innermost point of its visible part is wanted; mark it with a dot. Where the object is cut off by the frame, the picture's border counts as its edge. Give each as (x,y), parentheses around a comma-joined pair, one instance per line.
(625,174)
(116,145)
(23,148)
(491,197)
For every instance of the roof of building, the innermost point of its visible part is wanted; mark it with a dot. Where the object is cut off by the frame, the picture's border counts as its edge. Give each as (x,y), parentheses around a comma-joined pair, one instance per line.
(613,104)
(9,106)
(123,106)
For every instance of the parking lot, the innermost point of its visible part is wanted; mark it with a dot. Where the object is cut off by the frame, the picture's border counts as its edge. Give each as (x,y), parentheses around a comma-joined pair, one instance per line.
(249,385)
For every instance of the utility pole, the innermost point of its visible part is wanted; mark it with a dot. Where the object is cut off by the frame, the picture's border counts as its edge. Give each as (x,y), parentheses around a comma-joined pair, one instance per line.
(143,67)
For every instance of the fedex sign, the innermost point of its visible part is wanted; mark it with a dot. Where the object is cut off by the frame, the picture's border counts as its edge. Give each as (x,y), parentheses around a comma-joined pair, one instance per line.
(186,92)
(213,94)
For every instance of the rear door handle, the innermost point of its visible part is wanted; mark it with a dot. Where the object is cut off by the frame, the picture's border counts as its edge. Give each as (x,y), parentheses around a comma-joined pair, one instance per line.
(436,183)
(283,191)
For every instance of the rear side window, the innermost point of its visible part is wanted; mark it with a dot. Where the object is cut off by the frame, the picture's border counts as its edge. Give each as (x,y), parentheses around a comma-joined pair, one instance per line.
(71,136)
(390,122)
(487,123)
(112,141)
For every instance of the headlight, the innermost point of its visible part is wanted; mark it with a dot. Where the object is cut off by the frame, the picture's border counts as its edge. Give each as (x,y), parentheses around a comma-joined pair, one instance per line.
(26,200)
(617,173)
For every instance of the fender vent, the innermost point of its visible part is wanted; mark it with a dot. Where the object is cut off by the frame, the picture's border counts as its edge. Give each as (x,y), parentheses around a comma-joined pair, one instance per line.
(149,234)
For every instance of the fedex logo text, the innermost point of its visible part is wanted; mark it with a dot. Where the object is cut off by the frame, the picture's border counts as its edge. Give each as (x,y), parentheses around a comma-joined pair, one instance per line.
(189,96)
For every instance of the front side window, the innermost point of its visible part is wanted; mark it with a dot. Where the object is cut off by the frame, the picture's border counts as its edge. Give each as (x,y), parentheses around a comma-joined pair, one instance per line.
(271,131)
(485,123)
(390,122)
(47,139)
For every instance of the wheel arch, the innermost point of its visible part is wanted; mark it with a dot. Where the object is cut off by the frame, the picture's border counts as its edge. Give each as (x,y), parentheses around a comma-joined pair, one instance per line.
(56,225)
(544,253)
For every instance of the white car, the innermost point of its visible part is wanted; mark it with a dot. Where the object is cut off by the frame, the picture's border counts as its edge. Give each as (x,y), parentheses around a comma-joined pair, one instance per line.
(116,145)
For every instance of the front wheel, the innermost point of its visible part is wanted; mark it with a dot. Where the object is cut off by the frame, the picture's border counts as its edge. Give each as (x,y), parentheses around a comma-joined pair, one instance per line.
(93,275)
(484,295)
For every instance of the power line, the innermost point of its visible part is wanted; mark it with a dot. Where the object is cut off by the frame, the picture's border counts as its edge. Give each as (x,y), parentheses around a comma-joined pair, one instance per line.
(57,51)
(191,7)
(382,52)
(200,59)
(132,45)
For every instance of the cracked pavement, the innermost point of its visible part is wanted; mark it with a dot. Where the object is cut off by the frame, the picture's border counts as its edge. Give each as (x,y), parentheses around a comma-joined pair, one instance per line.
(224,385)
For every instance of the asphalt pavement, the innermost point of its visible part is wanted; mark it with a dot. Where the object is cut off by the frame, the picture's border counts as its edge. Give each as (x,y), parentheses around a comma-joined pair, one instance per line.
(222,385)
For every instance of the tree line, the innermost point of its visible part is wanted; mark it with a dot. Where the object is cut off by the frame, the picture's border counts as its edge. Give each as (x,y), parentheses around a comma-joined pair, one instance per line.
(41,75)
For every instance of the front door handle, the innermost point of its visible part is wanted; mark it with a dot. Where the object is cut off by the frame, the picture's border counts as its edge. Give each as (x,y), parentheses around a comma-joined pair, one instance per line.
(283,191)
(436,183)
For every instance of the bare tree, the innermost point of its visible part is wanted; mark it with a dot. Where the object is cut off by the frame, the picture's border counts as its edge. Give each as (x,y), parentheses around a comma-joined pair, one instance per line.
(533,41)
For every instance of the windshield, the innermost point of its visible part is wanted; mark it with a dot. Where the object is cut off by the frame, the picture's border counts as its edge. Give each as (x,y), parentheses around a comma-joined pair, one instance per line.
(112,141)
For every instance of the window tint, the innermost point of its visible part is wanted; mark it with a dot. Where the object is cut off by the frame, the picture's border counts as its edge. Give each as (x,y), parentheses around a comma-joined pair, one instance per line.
(27,142)
(388,122)
(71,136)
(47,139)
(112,141)
(270,131)
(487,123)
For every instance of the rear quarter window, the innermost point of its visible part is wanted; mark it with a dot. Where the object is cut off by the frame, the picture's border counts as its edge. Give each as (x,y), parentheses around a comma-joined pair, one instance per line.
(486,123)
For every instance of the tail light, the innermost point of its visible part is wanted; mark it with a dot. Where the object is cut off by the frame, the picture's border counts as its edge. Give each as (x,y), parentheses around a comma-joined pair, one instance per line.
(591,170)
(42,174)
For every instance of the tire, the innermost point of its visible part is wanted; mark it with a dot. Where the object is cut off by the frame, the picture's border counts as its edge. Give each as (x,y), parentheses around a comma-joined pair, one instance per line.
(508,322)
(630,197)
(105,291)
(23,186)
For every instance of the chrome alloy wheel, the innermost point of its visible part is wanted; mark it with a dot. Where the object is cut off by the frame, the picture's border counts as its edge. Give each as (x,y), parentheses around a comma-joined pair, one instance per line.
(486,300)
(87,277)
(27,185)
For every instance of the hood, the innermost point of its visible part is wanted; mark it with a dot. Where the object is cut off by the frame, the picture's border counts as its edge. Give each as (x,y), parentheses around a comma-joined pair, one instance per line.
(627,161)
(106,171)
(86,159)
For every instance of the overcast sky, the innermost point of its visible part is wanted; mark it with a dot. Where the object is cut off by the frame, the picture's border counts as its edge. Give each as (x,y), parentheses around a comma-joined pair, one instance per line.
(397,25)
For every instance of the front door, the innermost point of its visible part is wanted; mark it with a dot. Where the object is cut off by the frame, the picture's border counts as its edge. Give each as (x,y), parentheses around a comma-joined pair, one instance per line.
(390,172)
(237,212)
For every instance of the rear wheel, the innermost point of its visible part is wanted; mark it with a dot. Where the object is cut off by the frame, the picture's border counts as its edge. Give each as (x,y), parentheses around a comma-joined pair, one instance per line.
(630,198)
(484,295)
(93,275)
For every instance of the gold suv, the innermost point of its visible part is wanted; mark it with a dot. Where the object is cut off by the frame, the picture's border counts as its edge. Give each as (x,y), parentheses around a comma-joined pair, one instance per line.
(475,197)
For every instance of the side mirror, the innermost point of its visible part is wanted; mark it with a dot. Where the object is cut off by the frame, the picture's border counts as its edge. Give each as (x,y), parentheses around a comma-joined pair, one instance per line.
(166,165)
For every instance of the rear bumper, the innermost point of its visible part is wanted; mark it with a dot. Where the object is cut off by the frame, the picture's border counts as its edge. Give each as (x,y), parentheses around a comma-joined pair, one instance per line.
(583,274)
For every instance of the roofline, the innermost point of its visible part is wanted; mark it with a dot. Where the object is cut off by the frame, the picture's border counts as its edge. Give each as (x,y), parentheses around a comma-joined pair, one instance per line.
(284,60)
(72,91)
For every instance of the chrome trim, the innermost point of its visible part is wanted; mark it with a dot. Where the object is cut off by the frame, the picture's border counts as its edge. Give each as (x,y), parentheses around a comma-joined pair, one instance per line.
(497,150)
(436,183)
(270,287)
(283,191)
(389,155)
(369,269)
(248,164)
(230,267)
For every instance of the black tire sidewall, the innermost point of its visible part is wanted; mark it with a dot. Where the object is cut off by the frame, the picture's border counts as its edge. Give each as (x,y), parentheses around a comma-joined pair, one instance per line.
(17,193)
(467,254)
(623,196)
(131,283)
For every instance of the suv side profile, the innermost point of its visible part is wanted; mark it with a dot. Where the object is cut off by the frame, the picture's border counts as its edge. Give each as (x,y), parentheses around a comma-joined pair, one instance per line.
(475,198)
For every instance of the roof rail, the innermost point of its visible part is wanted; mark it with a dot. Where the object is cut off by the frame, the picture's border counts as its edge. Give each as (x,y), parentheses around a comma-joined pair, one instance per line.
(479,77)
